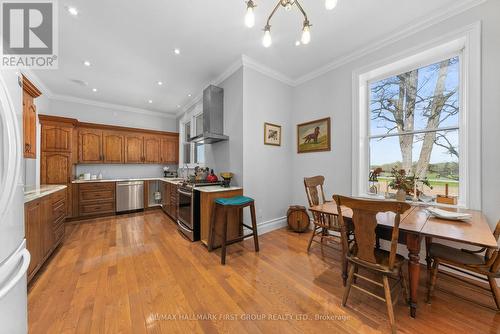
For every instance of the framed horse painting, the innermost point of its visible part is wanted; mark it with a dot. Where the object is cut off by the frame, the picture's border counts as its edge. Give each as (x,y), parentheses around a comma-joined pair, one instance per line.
(272,134)
(314,136)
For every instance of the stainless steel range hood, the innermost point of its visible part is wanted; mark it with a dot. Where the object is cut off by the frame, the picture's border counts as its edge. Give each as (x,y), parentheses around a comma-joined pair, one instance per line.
(213,117)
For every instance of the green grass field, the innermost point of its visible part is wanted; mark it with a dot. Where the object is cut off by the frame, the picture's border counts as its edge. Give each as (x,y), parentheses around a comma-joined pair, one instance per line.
(322,144)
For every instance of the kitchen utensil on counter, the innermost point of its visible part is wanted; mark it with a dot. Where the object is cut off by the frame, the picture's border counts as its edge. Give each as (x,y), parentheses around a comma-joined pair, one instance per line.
(93,177)
(227,176)
(212,177)
(86,176)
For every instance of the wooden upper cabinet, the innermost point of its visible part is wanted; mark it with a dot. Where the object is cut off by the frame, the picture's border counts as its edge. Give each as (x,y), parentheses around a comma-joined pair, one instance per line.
(151,149)
(30,92)
(57,138)
(134,148)
(113,147)
(169,152)
(56,168)
(90,146)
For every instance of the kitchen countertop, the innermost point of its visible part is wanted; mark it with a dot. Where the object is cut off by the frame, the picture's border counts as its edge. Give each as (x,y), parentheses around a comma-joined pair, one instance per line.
(164,179)
(33,193)
(214,189)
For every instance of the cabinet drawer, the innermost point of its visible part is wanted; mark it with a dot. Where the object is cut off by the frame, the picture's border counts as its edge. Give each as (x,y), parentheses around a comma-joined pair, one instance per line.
(97,195)
(58,196)
(59,233)
(57,223)
(97,208)
(95,186)
(59,209)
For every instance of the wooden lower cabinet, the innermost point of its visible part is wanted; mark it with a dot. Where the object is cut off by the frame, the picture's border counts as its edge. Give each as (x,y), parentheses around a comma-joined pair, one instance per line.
(44,225)
(96,198)
(170,200)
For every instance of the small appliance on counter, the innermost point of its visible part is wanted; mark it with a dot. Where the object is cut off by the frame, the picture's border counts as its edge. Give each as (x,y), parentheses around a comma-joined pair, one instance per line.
(168,173)
(212,177)
(226,176)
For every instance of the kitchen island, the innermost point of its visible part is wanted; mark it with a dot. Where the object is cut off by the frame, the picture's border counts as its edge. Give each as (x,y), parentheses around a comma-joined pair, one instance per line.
(207,196)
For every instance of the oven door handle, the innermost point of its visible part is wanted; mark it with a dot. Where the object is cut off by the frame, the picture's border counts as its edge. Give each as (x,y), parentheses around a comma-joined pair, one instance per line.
(179,223)
(184,193)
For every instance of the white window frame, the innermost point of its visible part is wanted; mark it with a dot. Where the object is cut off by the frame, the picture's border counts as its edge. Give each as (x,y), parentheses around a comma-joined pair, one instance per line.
(189,117)
(466,43)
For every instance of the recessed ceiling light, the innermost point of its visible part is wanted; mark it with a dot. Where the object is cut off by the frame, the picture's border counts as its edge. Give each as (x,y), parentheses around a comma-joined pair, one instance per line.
(160,83)
(86,63)
(297,43)
(177,51)
(73,11)
(150,101)
(189,95)
(94,90)
(178,106)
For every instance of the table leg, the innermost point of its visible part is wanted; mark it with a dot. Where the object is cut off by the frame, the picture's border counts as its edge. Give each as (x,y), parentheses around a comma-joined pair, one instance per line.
(413,244)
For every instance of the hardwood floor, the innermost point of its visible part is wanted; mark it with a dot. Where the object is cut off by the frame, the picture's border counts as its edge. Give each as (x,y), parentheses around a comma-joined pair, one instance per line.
(136,274)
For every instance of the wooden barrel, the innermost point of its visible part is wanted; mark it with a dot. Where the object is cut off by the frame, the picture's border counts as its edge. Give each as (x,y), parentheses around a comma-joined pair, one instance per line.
(298,219)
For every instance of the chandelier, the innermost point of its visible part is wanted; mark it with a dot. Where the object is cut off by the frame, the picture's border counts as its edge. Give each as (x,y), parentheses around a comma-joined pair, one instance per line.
(288,5)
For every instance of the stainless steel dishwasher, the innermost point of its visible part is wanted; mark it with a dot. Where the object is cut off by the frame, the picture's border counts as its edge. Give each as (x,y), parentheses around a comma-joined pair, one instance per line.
(129,195)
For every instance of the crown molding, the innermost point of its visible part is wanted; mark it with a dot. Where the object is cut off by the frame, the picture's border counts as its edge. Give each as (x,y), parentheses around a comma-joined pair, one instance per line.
(35,80)
(235,66)
(106,105)
(410,29)
(244,61)
(267,71)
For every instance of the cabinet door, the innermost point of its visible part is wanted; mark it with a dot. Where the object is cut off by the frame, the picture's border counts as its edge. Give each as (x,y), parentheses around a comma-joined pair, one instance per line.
(113,147)
(151,149)
(57,138)
(29,126)
(32,225)
(169,150)
(134,149)
(90,146)
(55,168)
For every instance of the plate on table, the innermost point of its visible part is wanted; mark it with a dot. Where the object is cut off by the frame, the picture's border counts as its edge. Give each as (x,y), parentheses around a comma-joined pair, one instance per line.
(449,215)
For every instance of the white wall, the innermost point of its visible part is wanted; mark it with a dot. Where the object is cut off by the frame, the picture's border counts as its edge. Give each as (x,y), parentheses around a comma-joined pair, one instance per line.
(267,169)
(331,94)
(227,156)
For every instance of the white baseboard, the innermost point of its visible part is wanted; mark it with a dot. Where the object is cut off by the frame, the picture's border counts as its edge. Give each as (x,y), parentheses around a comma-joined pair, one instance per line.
(271,225)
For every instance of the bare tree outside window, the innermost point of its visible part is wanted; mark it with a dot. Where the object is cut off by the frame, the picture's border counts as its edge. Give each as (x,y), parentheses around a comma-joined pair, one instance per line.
(414,123)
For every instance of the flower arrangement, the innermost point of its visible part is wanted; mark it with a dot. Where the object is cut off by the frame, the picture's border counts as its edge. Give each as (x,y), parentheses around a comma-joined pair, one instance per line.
(402,181)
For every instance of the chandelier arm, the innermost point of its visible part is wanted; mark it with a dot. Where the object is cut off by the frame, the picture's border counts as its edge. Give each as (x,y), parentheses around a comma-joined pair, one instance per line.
(272,13)
(301,10)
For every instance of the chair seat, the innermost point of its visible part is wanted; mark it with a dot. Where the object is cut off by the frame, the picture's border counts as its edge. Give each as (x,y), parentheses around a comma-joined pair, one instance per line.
(455,255)
(234,201)
(382,257)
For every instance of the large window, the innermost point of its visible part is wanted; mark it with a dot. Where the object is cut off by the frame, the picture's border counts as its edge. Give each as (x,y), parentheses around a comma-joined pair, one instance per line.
(414,124)
(419,110)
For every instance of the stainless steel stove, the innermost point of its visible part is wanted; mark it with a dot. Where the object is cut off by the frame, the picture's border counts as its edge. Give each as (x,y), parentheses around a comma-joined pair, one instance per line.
(188,215)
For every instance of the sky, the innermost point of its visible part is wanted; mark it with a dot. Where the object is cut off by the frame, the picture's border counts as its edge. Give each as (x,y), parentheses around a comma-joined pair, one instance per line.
(387,150)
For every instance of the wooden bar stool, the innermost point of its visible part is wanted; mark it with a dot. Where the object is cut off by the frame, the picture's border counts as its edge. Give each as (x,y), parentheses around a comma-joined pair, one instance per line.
(232,205)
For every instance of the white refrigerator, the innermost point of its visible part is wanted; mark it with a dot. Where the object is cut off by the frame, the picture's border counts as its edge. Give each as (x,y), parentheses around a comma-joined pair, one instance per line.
(14,257)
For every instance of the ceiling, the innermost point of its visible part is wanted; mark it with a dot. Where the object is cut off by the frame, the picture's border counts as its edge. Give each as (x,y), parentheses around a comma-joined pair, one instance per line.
(130,43)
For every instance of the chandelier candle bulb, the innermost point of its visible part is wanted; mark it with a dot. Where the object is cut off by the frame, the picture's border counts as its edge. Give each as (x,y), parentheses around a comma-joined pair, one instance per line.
(306,34)
(267,40)
(330,4)
(250,16)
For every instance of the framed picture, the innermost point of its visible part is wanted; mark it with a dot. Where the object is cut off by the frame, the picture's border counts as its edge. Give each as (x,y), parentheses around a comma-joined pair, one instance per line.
(272,134)
(314,136)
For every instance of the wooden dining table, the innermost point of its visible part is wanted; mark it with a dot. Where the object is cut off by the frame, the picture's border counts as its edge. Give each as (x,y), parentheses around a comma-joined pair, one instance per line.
(417,223)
